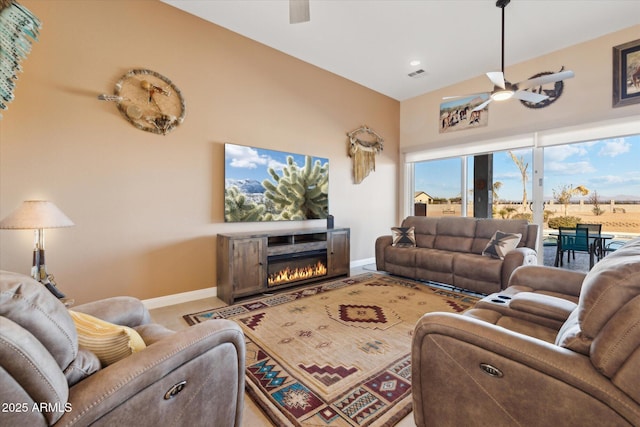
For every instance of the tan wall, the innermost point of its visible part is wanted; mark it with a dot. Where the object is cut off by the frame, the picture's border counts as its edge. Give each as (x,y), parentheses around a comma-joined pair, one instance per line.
(147,207)
(586,98)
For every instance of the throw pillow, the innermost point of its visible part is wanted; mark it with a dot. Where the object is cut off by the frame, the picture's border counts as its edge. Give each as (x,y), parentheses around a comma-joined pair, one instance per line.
(106,340)
(501,244)
(403,237)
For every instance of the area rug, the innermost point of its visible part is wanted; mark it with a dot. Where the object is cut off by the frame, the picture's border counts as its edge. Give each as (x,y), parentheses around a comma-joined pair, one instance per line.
(336,353)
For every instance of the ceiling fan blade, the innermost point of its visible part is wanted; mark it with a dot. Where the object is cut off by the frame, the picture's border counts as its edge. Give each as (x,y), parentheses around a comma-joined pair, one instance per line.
(497,78)
(299,11)
(484,104)
(548,78)
(529,96)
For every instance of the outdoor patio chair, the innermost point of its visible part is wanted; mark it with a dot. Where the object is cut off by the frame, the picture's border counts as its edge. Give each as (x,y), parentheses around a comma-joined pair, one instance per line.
(594,230)
(613,246)
(571,240)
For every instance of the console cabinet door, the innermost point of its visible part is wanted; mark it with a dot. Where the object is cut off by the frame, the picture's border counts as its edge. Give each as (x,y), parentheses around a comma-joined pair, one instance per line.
(249,266)
(338,256)
(241,267)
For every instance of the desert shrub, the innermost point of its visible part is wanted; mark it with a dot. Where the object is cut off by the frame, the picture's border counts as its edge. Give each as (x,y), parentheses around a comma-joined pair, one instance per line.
(547,214)
(506,212)
(564,221)
(526,216)
(594,199)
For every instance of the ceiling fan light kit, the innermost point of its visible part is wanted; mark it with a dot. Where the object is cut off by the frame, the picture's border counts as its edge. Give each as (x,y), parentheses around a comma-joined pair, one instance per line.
(501,94)
(503,90)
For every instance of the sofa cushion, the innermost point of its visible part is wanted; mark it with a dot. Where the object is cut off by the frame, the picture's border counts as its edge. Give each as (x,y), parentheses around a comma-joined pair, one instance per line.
(501,244)
(607,288)
(86,363)
(40,313)
(515,324)
(106,340)
(29,375)
(425,229)
(486,228)
(434,260)
(455,234)
(403,237)
(477,267)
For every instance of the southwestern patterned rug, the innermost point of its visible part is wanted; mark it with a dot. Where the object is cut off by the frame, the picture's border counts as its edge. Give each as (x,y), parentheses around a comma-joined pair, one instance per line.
(336,353)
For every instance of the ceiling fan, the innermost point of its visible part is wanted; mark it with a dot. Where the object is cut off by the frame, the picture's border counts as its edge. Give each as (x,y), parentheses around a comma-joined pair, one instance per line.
(298,11)
(503,90)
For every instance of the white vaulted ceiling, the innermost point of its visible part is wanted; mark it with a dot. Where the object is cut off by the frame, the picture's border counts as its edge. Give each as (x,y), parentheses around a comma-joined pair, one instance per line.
(372,42)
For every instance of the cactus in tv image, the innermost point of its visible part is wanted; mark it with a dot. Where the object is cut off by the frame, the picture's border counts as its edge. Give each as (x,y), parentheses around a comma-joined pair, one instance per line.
(237,207)
(301,192)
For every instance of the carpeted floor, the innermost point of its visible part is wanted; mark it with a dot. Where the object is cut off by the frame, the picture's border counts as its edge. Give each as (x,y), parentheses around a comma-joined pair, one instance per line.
(336,353)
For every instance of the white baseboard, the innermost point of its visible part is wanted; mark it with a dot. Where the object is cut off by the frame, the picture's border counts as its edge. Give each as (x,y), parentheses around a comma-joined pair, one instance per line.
(361,262)
(180,298)
(213,292)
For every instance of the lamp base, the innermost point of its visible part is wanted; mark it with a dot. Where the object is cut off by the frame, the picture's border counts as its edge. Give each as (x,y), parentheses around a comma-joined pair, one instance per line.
(39,272)
(53,289)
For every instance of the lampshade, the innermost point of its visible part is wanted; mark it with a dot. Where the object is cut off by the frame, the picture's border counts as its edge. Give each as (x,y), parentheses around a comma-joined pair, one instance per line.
(35,214)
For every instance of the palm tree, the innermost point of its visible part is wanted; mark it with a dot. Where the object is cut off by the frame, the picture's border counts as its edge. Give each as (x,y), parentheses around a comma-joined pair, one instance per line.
(494,191)
(519,161)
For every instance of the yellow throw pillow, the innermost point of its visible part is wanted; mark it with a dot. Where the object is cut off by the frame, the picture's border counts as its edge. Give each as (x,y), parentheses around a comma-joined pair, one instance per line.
(106,340)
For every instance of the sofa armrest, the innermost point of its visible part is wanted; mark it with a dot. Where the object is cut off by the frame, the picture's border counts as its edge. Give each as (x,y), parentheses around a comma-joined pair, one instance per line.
(209,356)
(381,243)
(517,258)
(536,278)
(499,375)
(125,311)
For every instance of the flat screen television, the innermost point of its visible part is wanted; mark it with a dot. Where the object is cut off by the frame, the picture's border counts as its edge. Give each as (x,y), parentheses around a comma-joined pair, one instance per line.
(269,185)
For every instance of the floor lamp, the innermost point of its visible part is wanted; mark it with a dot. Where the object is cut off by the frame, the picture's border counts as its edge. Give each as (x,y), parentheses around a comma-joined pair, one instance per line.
(37,215)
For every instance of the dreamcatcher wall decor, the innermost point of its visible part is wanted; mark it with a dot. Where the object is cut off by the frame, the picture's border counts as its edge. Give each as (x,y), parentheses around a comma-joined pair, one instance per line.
(19,27)
(364,144)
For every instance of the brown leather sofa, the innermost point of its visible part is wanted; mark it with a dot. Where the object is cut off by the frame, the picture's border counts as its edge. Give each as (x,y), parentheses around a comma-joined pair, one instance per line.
(191,378)
(518,364)
(449,250)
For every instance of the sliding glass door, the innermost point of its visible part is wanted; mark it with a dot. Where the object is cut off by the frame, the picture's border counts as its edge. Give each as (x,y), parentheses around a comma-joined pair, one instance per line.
(447,186)
(438,187)
(585,182)
(594,182)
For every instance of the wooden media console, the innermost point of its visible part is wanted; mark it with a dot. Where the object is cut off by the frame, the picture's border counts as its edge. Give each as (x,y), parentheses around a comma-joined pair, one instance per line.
(254,263)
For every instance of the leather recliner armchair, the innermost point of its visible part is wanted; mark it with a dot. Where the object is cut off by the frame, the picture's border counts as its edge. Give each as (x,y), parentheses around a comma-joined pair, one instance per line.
(193,377)
(484,368)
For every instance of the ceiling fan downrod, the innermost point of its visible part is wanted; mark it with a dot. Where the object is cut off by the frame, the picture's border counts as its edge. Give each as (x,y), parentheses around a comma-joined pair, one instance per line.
(502,4)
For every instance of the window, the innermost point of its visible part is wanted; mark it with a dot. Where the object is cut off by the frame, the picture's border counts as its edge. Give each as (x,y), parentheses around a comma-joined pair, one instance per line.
(595,182)
(601,175)
(438,186)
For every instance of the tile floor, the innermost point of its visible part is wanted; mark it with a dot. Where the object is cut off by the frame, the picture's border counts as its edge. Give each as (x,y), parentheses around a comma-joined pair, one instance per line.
(171,317)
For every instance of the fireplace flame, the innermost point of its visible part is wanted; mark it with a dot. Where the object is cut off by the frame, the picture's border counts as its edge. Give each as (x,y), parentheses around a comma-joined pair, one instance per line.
(288,274)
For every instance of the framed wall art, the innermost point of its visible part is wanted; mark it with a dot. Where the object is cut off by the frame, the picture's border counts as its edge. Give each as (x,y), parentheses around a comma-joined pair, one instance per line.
(626,74)
(460,114)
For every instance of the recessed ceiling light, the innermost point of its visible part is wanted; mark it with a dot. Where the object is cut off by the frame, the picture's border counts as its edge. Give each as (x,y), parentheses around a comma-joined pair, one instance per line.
(414,63)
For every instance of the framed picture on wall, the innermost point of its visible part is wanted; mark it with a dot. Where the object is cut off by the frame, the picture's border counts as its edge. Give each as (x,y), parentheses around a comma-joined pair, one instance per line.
(626,74)
(459,114)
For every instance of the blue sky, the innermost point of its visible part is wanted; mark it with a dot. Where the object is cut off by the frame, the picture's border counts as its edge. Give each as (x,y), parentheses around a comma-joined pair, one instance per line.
(242,162)
(611,167)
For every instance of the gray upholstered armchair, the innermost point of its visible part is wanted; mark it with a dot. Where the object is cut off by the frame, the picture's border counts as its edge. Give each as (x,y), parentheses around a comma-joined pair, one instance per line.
(505,367)
(193,377)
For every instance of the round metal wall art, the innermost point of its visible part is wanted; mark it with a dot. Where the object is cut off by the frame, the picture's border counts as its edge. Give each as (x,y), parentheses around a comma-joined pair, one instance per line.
(150,101)
(552,90)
